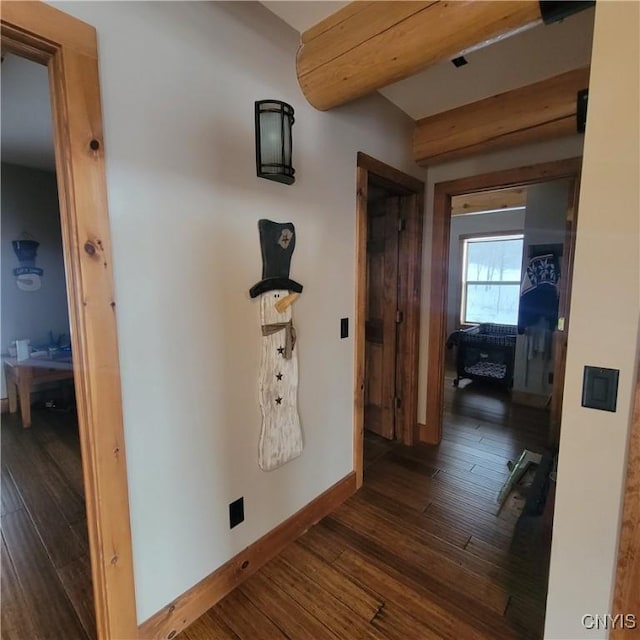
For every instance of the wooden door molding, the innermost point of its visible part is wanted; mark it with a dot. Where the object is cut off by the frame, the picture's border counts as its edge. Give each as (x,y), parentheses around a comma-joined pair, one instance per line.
(431,432)
(564,311)
(411,192)
(626,598)
(69,49)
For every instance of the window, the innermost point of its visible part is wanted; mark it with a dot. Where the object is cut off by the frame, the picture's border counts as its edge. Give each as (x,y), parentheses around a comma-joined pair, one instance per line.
(491,275)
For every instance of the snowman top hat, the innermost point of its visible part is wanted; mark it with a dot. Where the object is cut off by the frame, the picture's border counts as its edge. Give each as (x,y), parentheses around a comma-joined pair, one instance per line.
(277,242)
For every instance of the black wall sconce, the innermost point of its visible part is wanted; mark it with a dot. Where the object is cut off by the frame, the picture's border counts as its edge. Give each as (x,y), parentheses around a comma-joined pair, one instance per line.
(274,120)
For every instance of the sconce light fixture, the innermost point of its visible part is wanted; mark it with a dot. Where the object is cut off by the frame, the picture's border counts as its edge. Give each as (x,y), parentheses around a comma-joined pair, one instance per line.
(274,120)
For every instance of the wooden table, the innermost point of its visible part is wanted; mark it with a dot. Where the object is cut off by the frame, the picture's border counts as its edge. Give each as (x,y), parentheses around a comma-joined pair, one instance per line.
(21,375)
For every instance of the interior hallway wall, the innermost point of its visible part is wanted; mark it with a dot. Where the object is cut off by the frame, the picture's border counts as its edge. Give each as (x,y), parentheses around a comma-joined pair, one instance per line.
(179,81)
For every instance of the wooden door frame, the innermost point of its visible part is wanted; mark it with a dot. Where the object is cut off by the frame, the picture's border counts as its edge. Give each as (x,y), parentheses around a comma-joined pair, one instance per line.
(68,47)
(626,598)
(410,265)
(431,432)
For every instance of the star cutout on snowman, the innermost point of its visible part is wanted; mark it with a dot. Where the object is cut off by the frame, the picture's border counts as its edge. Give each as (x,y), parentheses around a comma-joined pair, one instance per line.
(280,433)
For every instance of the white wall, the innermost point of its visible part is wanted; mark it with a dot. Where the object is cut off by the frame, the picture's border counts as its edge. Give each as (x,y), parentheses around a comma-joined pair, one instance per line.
(603,332)
(179,81)
(30,204)
(569,147)
(464,225)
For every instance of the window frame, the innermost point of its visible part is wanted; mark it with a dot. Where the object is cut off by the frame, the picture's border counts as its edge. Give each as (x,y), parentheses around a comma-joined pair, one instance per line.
(487,236)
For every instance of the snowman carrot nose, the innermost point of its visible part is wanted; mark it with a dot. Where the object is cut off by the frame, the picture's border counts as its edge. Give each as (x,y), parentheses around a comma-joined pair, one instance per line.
(282,305)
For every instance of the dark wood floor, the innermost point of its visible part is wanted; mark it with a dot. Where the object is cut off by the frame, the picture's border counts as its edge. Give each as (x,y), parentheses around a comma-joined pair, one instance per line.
(46,579)
(420,552)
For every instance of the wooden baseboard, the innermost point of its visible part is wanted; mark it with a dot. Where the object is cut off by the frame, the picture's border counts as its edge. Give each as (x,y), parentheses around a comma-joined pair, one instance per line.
(187,608)
(427,435)
(529,399)
(4,405)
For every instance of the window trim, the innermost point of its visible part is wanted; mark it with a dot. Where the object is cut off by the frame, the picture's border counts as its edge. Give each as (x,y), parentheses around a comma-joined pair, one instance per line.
(486,236)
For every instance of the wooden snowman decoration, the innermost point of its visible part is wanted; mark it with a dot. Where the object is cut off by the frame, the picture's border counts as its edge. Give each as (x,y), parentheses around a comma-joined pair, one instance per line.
(280,434)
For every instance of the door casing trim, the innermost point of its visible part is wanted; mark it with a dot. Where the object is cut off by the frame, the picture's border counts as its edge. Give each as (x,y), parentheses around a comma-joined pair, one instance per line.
(68,47)
(410,265)
(431,432)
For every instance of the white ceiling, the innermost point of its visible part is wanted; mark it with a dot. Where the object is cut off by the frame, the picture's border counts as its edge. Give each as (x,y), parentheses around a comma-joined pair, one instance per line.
(27,136)
(533,55)
(303,14)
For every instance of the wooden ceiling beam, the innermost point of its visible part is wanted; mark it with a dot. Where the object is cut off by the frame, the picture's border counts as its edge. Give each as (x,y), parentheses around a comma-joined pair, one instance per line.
(368,45)
(534,113)
(488,201)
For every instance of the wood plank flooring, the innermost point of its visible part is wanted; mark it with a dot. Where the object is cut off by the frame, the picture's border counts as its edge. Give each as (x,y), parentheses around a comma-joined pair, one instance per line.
(46,577)
(419,552)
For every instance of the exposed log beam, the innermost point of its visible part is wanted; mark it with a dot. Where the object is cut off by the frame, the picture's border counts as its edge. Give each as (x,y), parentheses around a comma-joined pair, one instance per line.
(537,112)
(488,201)
(368,45)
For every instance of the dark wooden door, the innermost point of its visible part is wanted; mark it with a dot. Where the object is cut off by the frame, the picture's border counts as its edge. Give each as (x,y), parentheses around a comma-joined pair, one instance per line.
(381,316)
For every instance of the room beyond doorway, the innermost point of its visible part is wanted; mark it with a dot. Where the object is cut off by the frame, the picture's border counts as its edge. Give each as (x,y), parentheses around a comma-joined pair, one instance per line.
(569,170)
(506,267)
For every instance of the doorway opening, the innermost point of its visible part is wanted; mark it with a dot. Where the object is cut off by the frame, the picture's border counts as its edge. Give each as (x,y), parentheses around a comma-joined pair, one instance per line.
(67,47)
(500,291)
(480,558)
(44,519)
(506,268)
(389,263)
(544,238)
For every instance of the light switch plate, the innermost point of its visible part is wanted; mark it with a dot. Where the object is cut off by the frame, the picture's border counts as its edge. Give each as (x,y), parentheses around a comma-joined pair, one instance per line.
(600,388)
(344,327)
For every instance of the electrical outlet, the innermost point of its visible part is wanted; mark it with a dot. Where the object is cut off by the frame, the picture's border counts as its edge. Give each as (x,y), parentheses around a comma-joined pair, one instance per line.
(236,512)
(344,328)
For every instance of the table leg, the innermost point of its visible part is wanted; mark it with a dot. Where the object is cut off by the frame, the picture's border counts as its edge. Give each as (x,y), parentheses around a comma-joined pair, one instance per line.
(12,390)
(24,393)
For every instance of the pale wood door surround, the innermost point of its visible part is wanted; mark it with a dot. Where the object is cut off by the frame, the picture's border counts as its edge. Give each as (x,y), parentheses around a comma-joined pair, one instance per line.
(626,598)
(431,432)
(68,48)
(411,193)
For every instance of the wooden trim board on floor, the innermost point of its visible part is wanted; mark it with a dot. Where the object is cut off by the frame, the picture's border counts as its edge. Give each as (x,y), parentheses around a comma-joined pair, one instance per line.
(370,170)
(68,47)
(431,433)
(188,607)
